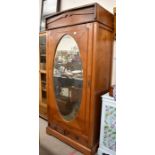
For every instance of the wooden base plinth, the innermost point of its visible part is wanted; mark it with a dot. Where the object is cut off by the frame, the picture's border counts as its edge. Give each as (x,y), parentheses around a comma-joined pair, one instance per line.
(83,149)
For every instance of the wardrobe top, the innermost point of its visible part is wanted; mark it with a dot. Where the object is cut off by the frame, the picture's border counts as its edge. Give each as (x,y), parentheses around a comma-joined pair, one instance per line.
(80,15)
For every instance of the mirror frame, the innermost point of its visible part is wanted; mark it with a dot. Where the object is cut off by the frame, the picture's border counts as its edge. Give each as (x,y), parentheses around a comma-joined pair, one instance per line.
(71,89)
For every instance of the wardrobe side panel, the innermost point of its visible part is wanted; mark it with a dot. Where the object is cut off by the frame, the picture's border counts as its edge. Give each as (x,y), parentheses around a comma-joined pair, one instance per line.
(101,74)
(103,66)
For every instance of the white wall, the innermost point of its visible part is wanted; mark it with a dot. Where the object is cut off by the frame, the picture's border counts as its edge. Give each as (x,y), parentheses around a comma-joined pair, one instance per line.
(40,1)
(114,65)
(107,4)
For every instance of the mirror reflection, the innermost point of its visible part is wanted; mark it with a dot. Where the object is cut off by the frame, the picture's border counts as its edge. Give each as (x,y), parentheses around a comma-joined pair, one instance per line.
(68,77)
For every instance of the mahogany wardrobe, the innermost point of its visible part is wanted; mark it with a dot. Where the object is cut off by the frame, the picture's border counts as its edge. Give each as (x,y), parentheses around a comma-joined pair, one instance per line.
(79,62)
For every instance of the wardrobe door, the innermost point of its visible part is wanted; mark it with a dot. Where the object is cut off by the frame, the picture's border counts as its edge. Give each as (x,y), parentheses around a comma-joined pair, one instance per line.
(68,79)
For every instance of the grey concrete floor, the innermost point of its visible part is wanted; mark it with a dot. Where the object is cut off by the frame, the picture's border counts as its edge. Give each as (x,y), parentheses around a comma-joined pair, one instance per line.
(50,145)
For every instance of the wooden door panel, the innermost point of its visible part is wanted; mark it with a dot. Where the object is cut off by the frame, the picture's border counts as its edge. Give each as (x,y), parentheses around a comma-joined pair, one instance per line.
(81,36)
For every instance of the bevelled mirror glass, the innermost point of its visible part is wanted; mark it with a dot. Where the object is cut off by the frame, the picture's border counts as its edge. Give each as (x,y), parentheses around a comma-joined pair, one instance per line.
(68,77)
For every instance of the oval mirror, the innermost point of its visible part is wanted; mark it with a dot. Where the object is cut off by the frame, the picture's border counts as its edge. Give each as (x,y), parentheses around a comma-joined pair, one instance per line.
(68,77)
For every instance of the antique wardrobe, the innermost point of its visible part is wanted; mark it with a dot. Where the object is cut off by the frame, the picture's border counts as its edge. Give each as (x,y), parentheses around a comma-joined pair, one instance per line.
(79,60)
